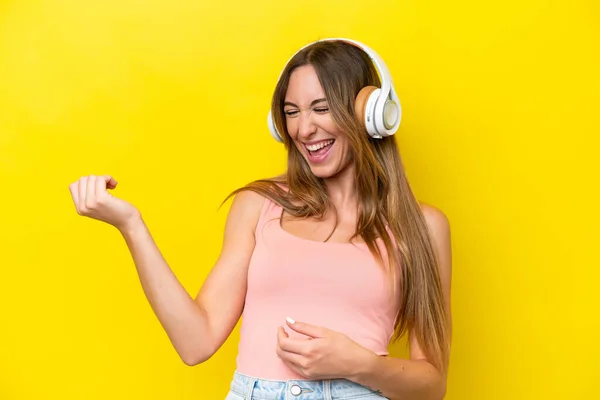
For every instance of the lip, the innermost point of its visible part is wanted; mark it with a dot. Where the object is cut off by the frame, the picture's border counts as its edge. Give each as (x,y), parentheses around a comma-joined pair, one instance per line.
(316,141)
(316,159)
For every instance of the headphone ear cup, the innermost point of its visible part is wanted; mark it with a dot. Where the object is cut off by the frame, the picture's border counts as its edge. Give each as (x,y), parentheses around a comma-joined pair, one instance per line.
(360,104)
(273,129)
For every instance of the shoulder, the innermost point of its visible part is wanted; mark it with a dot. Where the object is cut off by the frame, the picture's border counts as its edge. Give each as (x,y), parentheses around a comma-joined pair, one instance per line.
(248,199)
(436,219)
(439,230)
(246,208)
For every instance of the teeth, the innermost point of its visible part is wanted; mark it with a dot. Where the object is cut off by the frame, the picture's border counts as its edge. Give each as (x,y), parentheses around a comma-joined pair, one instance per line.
(317,146)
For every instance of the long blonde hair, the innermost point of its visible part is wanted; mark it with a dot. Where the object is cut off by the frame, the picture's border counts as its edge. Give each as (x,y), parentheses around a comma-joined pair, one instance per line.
(386,200)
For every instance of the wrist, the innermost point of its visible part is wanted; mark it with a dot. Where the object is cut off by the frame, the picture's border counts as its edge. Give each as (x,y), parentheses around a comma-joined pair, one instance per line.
(132,226)
(365,366)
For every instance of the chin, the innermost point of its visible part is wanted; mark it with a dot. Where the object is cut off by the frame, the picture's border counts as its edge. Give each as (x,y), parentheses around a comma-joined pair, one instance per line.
(323,174)
(325,171)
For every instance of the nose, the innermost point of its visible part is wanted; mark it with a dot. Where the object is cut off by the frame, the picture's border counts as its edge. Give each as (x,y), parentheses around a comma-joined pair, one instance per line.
(306,125)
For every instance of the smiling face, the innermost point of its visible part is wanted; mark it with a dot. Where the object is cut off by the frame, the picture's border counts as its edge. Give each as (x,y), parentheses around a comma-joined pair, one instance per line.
(311,127)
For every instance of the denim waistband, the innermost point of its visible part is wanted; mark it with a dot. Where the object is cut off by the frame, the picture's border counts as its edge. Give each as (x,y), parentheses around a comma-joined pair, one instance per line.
(336,389)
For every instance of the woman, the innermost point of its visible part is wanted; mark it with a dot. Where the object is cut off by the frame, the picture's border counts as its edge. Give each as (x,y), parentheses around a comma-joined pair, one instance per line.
(325,264)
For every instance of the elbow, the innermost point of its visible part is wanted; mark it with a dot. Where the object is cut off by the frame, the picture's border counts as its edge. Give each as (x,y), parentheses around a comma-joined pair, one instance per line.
(190,361)
(434,385)
(433,388)
(195,357)
(439,390)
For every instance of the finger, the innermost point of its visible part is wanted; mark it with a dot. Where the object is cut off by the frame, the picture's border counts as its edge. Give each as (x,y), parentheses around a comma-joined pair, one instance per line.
(82,193)
(292,359)
(110,182)
(296,346)
(282,332)
(100,187)
(296,363)
(306,329)
(281,336)
(74,189)
(90,199)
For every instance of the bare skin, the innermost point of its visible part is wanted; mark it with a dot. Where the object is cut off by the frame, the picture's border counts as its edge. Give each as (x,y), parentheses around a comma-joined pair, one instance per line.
(198,327)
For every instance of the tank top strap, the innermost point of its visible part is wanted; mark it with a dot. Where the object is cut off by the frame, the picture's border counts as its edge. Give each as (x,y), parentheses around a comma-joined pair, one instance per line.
(270,211)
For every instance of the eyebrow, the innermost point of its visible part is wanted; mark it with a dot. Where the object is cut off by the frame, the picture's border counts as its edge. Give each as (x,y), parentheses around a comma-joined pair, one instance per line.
(288,103)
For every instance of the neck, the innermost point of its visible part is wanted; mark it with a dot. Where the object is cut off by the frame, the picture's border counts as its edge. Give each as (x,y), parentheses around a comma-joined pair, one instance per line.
(342,190)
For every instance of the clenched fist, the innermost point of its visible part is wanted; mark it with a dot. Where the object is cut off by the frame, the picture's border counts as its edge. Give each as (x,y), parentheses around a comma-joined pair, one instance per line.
(91,198)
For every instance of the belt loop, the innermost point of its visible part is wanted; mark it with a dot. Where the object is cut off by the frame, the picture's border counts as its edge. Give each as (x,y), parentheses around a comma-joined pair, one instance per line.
(250,389)
(327,390)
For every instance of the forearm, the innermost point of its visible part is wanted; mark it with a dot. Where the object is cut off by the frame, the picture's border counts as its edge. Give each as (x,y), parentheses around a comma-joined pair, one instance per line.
(401,379)
(184,321)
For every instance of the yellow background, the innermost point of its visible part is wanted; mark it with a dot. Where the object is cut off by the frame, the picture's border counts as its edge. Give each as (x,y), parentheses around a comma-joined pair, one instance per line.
(500,130)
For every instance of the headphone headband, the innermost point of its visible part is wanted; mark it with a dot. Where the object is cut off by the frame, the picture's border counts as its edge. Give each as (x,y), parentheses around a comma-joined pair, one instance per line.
(377,106)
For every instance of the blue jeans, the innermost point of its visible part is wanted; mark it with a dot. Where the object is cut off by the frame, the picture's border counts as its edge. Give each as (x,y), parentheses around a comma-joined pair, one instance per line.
(248,388)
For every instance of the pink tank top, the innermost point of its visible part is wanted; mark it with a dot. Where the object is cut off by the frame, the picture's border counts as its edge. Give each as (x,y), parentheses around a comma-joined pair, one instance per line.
(338,286)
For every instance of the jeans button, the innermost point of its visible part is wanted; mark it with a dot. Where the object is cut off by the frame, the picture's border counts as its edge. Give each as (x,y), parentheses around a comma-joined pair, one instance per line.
(296,390)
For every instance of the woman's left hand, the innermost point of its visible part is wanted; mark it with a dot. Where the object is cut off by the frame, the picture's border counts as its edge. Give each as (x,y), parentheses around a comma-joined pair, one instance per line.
(325,354)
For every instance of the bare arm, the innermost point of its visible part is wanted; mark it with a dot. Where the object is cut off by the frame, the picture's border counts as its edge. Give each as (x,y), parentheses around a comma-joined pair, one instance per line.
(198,328)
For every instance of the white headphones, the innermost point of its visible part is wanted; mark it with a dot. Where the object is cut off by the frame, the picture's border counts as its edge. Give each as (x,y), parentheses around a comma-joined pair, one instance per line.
(379,109)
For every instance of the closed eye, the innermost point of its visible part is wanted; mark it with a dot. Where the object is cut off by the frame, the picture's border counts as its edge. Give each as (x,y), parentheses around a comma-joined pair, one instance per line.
(293,113)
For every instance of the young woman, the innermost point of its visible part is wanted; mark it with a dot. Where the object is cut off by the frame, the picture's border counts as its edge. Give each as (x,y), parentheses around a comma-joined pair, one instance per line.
(327,264)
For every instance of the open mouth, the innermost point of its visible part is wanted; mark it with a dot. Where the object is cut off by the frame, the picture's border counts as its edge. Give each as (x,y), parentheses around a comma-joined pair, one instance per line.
(318,151)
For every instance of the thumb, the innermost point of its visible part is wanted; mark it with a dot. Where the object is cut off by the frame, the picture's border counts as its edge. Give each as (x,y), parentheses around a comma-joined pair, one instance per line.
(111,183)
(306,329)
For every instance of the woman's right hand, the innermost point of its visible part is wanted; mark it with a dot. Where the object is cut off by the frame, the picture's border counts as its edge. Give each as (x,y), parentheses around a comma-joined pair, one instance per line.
(91,198)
